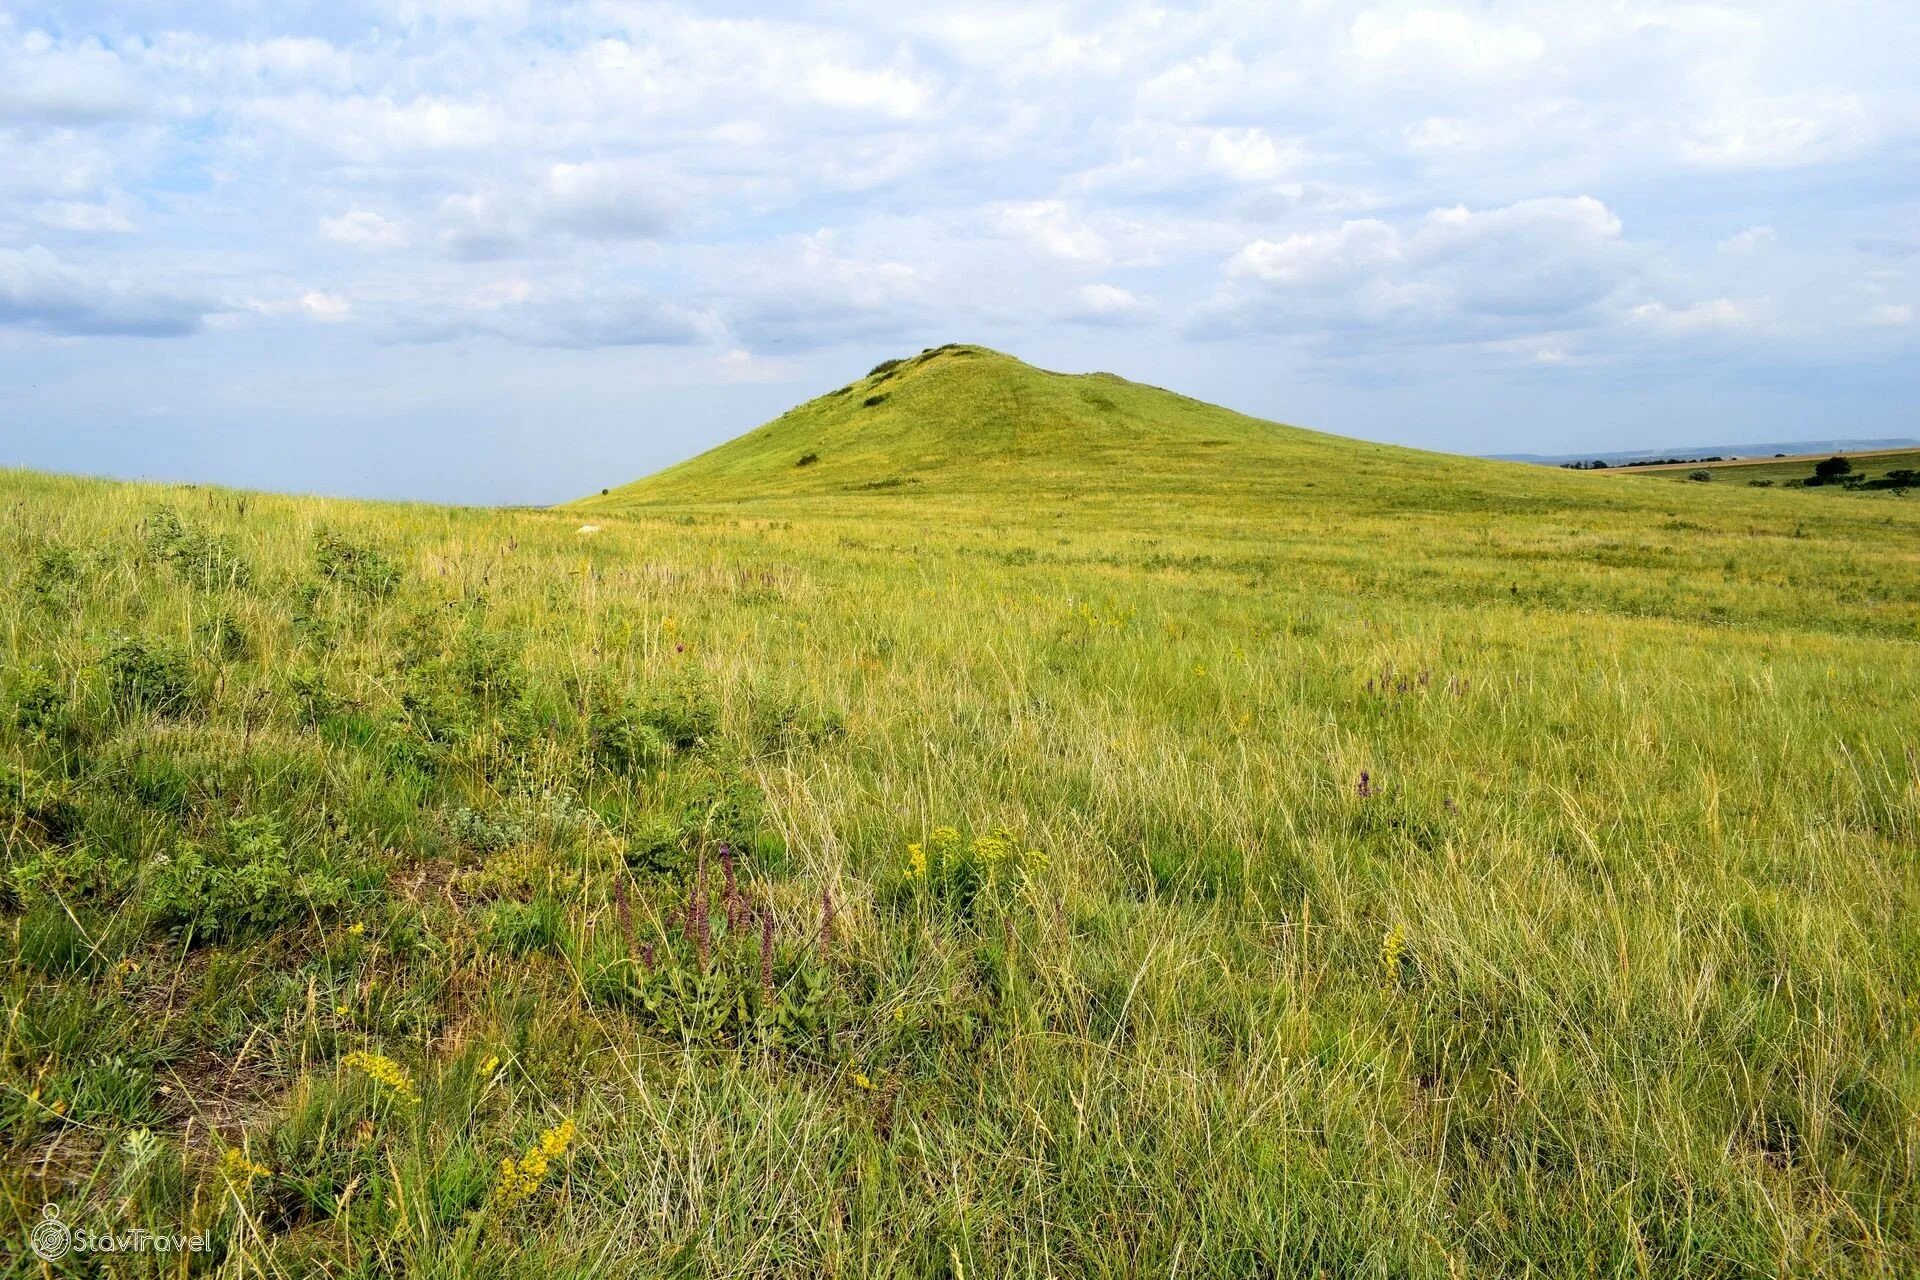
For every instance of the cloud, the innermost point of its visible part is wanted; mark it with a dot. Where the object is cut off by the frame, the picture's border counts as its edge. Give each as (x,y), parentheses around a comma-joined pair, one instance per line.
(604,200)
(1779,132)
(578,317)
(363,229)
(1106,304)
(83,217)
(1456,273)
(328,307)
(38,291)
(1747,242)
(1442,41)
(1718,313)
(46,81)
(1050,227)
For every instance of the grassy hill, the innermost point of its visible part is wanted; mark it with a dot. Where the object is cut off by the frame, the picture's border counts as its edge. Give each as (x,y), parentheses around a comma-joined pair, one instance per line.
(1117,853)
(964,420)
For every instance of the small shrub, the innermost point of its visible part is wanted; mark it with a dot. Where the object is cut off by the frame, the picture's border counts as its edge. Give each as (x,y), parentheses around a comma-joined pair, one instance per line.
(248,882)
(807,459)
(360,567)
(1832,469)
(57,569)
(1700,475)
(37,705)
(886,366)
(144,675)
(204,559)
(223,636)
(877,398)
(1760,484)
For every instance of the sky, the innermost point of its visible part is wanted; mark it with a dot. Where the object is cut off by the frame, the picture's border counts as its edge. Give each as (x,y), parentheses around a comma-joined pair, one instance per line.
(495,252)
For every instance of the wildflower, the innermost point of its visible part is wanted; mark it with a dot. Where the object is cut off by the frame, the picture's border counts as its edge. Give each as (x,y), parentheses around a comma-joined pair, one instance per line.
(697,923)
(624,907)
(491,1065)
(916,862)
(862,1081)
(1392,947)
(357,928)
(341,1010)
(238,1169)
(826,921)
(519,1179)
(1364,788)
(385,1072)
(735,905)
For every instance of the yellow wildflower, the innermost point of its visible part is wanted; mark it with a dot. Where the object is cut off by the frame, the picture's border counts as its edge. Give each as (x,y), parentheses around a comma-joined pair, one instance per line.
(916,862)
(387,1073)
(1392,947)
(357,928)
(519,1179)
(237,1168)
(862,1080)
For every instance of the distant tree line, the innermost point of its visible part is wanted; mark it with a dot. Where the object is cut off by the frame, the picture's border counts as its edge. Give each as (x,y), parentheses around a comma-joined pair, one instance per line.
(1600,464)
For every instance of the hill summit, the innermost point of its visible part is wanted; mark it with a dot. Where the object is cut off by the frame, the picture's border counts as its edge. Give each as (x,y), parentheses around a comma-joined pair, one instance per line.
(966,419)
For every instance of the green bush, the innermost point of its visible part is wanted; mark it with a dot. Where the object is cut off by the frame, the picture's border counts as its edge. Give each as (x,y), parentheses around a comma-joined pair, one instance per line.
(56,570)
(248,882)
(146,675)
(360,567)
(204,559)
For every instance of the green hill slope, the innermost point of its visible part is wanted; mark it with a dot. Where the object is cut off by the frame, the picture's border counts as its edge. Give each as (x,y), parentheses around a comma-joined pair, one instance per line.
(964,419)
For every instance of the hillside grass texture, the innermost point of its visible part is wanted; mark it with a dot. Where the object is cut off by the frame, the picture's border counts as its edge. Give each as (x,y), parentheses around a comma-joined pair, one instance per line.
(1115,854)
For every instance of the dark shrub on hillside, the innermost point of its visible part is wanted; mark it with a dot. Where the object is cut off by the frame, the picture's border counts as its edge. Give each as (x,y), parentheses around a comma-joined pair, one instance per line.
(643,733)
(204,559)
(873,400)
(1700,474)
(1899,480)
(358,566)
(144,675)
(886,366)
(1832,469)
(807,459)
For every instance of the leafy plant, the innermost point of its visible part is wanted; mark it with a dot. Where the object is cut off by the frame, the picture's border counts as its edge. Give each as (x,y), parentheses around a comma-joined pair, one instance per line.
(246,882)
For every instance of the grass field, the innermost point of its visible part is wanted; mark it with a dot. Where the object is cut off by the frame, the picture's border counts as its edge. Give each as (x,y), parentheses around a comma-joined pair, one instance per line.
(1785,472)
(1060,829)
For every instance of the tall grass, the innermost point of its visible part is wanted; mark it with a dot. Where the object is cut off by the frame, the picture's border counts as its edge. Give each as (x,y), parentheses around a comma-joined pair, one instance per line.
(1610,968)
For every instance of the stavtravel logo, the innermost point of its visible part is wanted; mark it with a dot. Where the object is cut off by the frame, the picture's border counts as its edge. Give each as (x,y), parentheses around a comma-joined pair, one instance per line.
(52,1239)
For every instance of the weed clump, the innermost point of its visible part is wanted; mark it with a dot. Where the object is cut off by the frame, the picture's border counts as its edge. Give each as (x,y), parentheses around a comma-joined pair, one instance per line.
(146,675)
(360,567)
(246,882)
(202,559)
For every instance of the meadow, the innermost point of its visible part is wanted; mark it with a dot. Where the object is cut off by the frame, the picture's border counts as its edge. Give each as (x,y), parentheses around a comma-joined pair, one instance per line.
(1059,829)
